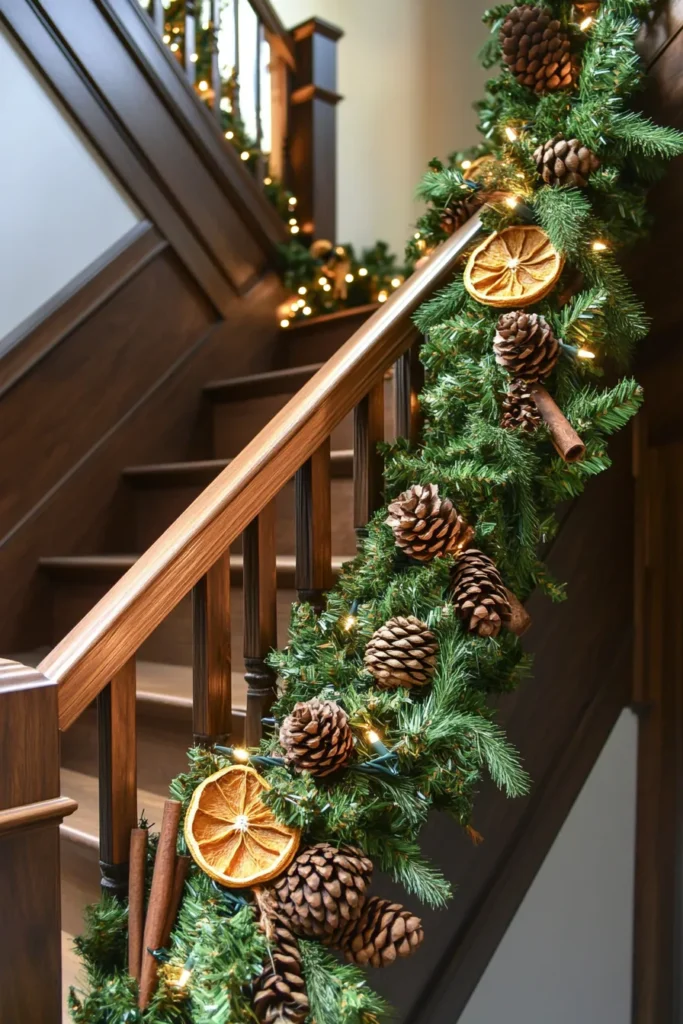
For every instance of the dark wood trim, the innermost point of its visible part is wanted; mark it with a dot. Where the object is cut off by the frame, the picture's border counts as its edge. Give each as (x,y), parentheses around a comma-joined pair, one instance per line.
(316,322)
(315,92)
(282,39)
(70,307)
(260,619)
(211,645)
(117,755)
(319,26)
(58,808)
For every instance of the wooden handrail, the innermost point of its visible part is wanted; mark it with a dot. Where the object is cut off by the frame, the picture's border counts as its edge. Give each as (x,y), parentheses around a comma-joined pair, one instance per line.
(102,643)
(279,36)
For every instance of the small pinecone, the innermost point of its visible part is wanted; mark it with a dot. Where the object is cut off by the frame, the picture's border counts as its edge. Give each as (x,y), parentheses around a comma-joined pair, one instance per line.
(457,214)
(519,409)
(478,593)
(317,737)
(426,526)
(324,889)
(402,652)
(383,932)
(280,996)
(565,162)
(537,50)
(526,346)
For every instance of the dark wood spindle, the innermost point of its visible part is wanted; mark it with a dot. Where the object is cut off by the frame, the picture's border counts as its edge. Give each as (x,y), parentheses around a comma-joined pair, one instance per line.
(260,169)
(368,470)
(157,13)
(216,83)
(313,528)
(409,379)
(117,777)
(260,618)
(190,40)
(236,68)
(212,666)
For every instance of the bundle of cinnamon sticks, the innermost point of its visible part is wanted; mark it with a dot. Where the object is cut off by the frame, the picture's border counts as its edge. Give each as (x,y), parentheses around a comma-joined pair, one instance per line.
(153,931)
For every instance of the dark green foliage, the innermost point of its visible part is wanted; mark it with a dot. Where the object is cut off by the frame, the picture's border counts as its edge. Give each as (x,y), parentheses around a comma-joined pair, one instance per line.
(443,739)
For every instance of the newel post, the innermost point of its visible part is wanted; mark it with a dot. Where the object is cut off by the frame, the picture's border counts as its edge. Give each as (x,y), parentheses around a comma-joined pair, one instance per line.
(30,812)
(313,127)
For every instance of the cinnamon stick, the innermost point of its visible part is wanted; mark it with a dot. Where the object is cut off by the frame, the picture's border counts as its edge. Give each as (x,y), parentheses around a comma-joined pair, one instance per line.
(159,899)
(136,899)
(182,866)
(519,620)
(567,442)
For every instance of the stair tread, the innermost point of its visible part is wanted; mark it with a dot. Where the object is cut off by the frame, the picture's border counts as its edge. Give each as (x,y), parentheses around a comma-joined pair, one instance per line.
(259,385)
(162,473)
(172,684)
(83,825)
(286,563)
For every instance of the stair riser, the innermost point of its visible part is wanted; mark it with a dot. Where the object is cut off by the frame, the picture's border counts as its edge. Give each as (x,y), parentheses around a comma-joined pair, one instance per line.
(313,342)
(171,642)
(155,508)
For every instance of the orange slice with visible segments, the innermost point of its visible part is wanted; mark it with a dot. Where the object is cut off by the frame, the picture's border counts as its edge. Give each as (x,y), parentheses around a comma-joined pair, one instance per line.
(515,267)
(231,833)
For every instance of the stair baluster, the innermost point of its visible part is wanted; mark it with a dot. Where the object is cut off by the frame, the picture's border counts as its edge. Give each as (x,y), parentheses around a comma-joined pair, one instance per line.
(216,83)
(117,749)
(313,528)
(211,651)
(190,54)
(368,471)
(260,618)
(408,383)
(236,64)
(156,10)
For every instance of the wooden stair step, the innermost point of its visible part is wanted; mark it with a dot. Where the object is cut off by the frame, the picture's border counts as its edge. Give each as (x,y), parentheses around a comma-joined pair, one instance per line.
(314,338)
(261,385)
(83,826)
(202,473)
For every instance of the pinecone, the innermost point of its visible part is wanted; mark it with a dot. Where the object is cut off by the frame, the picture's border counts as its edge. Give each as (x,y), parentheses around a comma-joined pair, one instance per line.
(478,593)
(537,50)
(402,652)
(458,213)
(317,737)
(526,346)
(280,996)
(565,162)
(426,526)
(324,889)
(519,409)
(383,932)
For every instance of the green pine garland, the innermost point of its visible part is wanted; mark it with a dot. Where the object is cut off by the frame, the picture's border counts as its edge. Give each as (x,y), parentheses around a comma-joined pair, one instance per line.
(505,482)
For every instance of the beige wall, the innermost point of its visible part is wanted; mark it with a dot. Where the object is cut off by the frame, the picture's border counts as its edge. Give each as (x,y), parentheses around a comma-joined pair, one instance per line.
(409,75)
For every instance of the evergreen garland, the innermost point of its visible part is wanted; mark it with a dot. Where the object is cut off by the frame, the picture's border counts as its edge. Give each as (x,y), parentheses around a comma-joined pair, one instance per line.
(442,738)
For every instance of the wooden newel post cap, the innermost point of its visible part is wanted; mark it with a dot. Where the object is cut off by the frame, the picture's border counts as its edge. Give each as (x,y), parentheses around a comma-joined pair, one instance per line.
(567,442)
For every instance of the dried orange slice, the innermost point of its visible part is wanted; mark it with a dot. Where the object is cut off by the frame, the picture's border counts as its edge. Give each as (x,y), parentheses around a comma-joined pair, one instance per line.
(231,833)
(514,267)
(481,169)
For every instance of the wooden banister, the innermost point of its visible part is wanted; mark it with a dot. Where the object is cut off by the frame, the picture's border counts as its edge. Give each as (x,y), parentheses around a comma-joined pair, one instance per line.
(101,644)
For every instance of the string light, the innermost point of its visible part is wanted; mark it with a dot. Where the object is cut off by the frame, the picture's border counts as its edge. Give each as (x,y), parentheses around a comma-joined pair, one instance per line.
(322,281)
(584,353)
(194,57)
(349,278)
(422,245)
(599,246)
(230,135)
(267,181)
(292,200)
(373,737)
(244,155)
(303,289)
(182,979)
(203,85)
(167,38)
(327,287)
(512,201)
(363,272)
(349,622)
(174,47)
(417,235)
(307,310)
(586,24)
(511,134)
(294,229)
(292,220)
(382,297)
(239,753)
(466,164)
(395,282)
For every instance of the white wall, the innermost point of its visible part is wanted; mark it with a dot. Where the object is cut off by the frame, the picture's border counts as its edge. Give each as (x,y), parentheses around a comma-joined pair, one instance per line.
(60,208)
(409,75)
(566,957)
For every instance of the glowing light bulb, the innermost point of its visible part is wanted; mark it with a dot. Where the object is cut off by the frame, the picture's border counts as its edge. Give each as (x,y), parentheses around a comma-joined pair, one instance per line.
(167,38)
(373,737)
(284,323)
(303,290)
(292,220)
(267,181)
(230,135)
(395,282)
(382,297)
(349,622)
(294,306)
(327,287)
(584,353)
(511,134)
(240,754)
(244,155)
(466,164)
(322,281)
(586,24)
(292,200)
(599,246)
(194,57)
(363,272)
(307,310)
(174,47)
(295,229)
(349,278)
(417,235)
(203,85)
(511,201)
(183,978)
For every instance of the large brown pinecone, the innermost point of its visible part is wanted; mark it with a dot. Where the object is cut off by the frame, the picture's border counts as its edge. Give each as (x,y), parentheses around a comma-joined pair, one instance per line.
(519,409)
(383,932)
(537,49)
(478,593)
(458,213)
(402,652)
(426,526)
(526,346)
(317,737)
(324,889)
(280,993)
(565,162)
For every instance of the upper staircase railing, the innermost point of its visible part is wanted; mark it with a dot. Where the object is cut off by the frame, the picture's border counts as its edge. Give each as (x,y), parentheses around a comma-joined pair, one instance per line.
(96,660)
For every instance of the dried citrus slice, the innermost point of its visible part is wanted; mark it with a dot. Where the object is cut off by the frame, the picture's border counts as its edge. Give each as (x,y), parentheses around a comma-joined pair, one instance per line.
(231,833)
(481,169)
(514,267)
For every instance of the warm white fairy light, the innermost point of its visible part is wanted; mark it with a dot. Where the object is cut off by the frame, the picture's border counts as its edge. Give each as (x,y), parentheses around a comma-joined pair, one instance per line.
(417,235)
(599,246)
(322,281)
(167,38)
(194,57)
(267,181)
(230,135)
(349,278)
(295,229)
(292,220)
(174,47)
(586,24)
(349,622)
(244,155)
(363,272)
(585,353)
(466,164)
(303,289)
(284,323)
(183,978)
(307,310)
(327,287)
(292,200)
(382,297)
(395,282)
(511,134)
(512,202)
(240,754)
(203,86)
